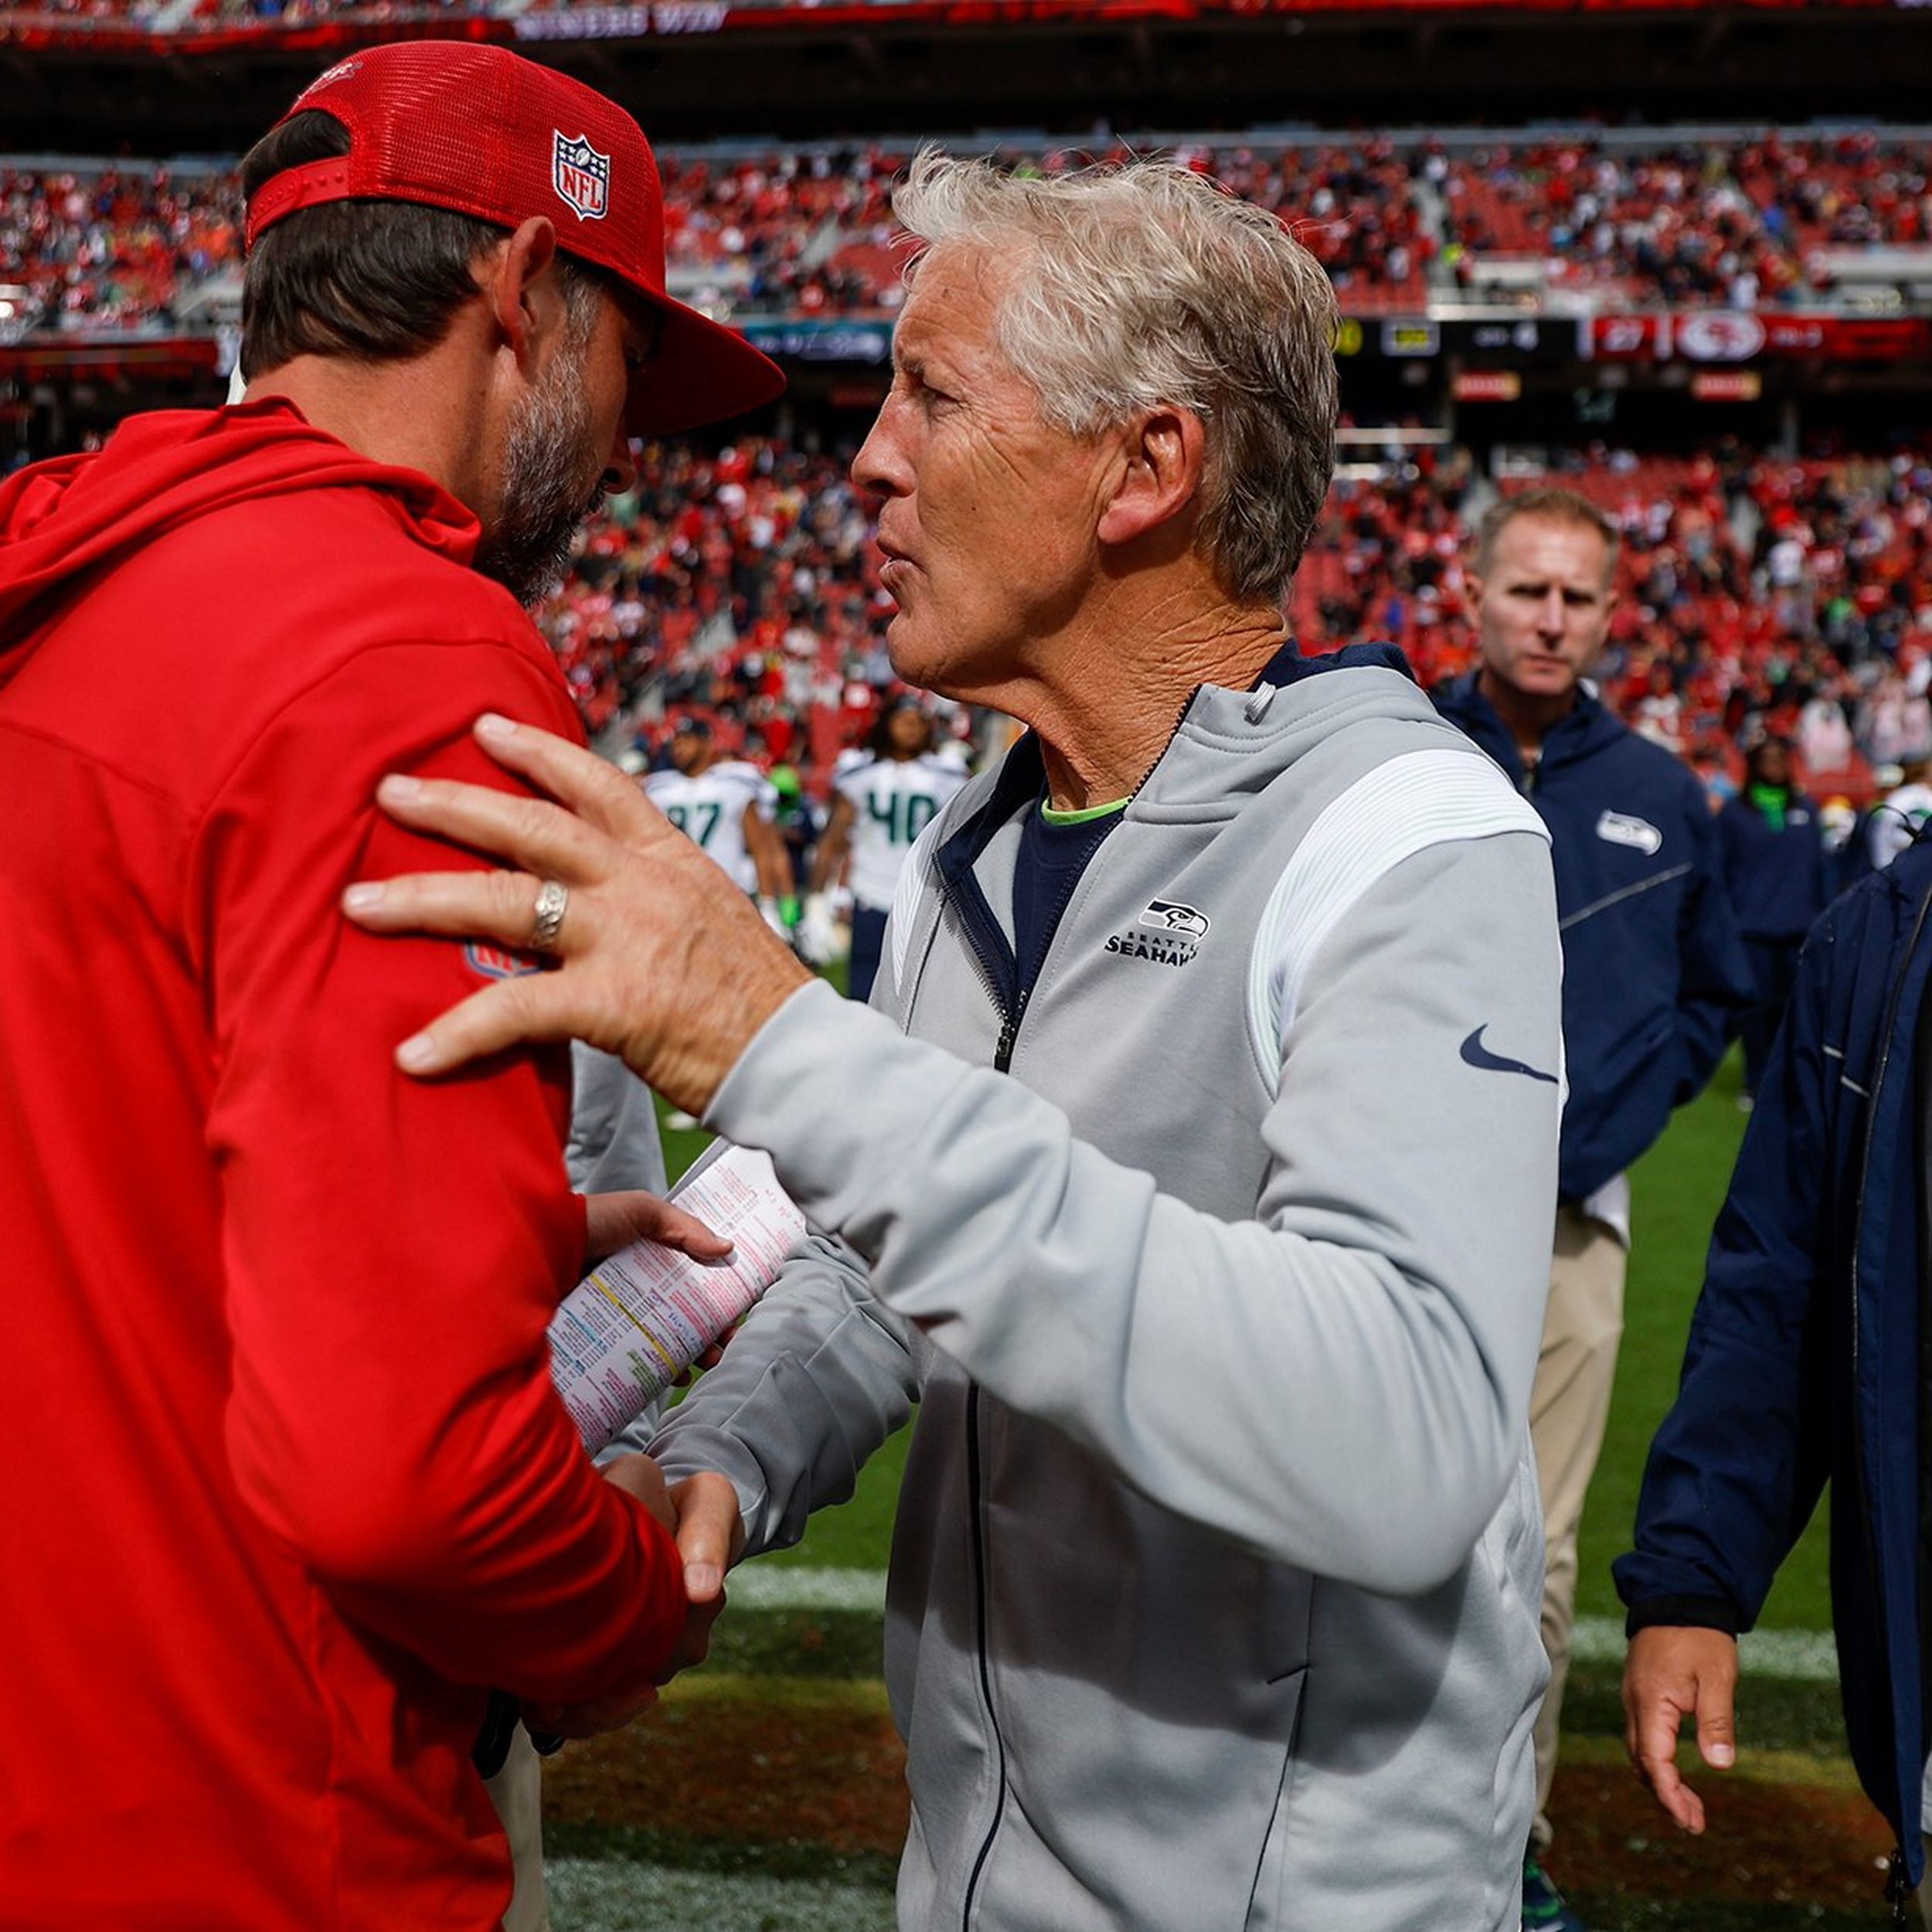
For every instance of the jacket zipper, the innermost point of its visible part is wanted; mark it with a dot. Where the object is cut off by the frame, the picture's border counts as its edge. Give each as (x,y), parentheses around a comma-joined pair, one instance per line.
(1896,1892)
(1009,1024)
(978,1512)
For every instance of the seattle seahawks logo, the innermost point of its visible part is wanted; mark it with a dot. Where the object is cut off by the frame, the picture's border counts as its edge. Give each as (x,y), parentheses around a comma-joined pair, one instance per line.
(1625,828)
(1170,916)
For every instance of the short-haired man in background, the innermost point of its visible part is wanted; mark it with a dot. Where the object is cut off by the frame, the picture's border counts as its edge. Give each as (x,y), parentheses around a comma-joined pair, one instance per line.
(1653,976)
(1214,1581)
(288,1487)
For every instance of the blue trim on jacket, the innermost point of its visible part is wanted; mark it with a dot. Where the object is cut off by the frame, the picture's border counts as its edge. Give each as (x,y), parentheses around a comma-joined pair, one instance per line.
(1803,1362)
(1021,777)
(1654,974)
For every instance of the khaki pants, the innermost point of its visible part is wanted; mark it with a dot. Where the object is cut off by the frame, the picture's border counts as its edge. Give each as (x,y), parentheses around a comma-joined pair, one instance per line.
(517,1792)
(1569,1406)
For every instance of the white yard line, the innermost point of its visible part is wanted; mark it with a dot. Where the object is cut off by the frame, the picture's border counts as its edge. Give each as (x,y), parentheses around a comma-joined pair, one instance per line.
(617,1895)
(1800,1656)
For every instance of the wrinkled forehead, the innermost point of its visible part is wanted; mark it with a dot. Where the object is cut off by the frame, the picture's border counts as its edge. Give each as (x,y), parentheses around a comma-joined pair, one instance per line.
(955,291)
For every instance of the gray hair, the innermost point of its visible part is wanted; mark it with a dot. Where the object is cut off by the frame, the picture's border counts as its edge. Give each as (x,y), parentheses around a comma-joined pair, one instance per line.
(1146,284)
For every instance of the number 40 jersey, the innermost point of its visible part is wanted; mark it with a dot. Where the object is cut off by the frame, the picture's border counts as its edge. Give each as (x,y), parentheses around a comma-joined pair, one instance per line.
(893,801)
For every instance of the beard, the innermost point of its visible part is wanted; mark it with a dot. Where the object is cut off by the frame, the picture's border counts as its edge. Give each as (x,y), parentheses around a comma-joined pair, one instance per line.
(547,501)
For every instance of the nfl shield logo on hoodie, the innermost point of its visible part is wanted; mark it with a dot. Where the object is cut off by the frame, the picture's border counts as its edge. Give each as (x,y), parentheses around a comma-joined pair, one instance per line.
(580,174)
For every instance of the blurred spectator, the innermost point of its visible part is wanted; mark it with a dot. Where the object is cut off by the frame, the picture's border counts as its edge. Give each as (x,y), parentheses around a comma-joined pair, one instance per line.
(114,248)
(1776,873)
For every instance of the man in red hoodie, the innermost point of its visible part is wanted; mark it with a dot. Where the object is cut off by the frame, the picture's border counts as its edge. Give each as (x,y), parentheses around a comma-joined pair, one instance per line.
(288,1487)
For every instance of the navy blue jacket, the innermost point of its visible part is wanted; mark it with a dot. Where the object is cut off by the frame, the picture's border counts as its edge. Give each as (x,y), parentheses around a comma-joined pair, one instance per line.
(1803,1362)
(1778,876)
(1654,973)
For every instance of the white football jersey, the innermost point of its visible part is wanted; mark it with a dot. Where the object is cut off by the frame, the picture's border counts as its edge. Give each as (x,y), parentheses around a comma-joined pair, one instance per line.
(711,808)
(1896,821)
(894,799)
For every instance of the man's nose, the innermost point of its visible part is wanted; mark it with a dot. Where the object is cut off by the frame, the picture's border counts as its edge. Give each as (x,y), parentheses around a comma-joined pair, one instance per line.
(1549,618)
(879,468)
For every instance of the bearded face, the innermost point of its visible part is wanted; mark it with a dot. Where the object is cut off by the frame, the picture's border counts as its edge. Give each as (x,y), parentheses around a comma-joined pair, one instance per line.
(553,466)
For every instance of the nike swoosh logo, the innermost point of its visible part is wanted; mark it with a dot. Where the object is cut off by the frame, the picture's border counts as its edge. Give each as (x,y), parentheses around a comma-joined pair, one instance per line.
(1476,1054)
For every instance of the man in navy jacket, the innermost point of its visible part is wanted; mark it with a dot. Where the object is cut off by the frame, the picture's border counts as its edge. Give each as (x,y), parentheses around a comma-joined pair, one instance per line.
(1654,975)
(1804,1365)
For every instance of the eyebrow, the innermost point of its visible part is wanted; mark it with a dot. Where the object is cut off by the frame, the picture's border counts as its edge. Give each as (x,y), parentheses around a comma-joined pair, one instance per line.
(1541,586)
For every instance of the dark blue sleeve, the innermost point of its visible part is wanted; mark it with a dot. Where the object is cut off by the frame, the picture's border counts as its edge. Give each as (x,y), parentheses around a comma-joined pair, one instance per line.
(1714,983)
(1738,1464)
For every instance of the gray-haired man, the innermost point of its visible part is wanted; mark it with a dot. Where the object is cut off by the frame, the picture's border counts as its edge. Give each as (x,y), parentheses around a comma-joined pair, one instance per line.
(1156,1174)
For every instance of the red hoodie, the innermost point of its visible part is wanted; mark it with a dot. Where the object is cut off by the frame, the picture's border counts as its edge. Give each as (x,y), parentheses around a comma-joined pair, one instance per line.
(286,1483)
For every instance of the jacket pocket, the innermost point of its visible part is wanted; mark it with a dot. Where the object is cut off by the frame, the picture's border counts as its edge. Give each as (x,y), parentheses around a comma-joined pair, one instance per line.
(1264,1911)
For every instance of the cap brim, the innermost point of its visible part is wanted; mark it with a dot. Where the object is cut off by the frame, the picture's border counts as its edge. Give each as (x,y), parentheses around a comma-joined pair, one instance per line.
(702,372)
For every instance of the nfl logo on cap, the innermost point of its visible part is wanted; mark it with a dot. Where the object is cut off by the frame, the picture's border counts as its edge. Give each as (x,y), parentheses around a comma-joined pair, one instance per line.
(580,174)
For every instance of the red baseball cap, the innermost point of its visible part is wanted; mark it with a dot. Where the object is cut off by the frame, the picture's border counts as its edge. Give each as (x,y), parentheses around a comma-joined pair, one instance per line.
(483,131)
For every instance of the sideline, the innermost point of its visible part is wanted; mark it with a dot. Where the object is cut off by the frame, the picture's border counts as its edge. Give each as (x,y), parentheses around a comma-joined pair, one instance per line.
(1798,1656)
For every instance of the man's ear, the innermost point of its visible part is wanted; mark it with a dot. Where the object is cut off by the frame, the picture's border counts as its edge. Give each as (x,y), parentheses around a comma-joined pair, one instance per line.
(1165,452)
(524,299)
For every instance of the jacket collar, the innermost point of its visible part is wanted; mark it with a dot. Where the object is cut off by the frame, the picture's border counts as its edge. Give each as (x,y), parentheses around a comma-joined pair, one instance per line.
(1588,726)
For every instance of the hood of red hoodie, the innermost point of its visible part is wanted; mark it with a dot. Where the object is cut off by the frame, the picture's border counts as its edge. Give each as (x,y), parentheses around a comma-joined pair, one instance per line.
(62,521)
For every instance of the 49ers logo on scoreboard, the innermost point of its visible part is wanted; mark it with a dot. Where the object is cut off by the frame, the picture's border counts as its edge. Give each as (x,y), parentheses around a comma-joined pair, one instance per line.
(581,176)
(1719,335)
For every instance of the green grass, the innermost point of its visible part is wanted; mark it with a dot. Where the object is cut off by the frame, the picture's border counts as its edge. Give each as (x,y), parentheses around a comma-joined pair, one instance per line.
(1773,1713)
(1676,1189)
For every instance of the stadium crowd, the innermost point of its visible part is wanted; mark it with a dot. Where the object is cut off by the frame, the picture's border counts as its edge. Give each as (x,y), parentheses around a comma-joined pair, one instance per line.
(1746,222)
(1734,223)
(1755,594)
(114,248)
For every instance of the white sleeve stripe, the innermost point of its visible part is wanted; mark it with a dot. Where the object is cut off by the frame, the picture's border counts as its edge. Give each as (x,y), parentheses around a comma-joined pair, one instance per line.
(1421,799)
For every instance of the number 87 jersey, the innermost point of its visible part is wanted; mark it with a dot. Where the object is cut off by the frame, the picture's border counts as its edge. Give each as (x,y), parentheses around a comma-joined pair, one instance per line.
(710,807)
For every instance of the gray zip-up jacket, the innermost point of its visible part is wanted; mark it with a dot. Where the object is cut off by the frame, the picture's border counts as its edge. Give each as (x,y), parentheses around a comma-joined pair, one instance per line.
(1213,1600)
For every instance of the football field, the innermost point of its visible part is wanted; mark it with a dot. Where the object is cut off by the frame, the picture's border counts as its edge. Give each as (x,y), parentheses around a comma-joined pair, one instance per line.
(766,1792)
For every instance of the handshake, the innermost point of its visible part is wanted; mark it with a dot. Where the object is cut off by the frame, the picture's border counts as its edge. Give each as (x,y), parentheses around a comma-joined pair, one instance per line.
(700,1515)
